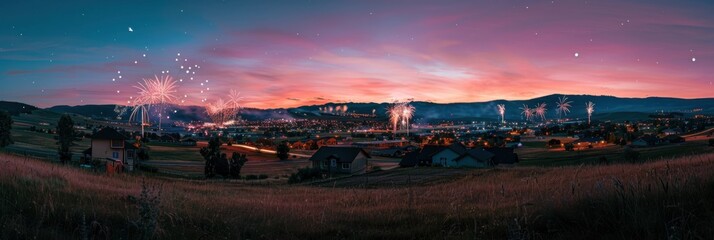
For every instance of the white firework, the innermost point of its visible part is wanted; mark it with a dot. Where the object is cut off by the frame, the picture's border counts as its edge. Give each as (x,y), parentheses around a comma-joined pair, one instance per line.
(407,114)
(563,106)
(590,108)
(540,111)
(527,112)
(502,112)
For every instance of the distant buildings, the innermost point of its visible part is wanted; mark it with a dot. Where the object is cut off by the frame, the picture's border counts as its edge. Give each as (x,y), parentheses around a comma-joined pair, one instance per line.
(457,155)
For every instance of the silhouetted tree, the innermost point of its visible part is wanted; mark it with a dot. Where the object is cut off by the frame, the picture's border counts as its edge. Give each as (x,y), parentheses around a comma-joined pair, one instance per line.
(236,164)
(212,155)
(5,127)
(283,150)
(142,152)
(66,136)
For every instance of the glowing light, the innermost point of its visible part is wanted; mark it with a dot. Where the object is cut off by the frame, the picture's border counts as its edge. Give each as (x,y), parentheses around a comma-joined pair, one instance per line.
(590,108)
(502,112)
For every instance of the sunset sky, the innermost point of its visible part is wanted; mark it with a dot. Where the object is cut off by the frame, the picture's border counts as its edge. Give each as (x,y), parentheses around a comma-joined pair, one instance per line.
(293,53)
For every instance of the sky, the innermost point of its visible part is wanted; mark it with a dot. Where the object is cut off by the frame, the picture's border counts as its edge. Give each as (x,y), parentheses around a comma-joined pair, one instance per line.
(305,52)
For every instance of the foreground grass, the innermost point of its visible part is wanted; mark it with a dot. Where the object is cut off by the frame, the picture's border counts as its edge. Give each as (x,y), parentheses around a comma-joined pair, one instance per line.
(656,200)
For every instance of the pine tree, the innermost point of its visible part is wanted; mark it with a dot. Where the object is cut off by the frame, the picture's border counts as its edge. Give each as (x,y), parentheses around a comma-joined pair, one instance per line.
(65,130)
(283,151)
(5,127)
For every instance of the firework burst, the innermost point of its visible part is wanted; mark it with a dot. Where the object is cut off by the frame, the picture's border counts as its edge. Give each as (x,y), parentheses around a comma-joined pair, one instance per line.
(220,112)
(563,106)
(502,112)
(540,111)
(590,108)
(157,91)
(527,112)
(407,114)
(395,113)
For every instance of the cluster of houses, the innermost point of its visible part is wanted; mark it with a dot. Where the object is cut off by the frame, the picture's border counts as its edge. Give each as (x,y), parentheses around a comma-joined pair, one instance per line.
(457,155)
(354,159)
(652,140)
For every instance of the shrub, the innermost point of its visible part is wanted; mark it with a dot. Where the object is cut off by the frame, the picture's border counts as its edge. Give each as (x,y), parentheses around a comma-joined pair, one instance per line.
(263,176)
(631,155)
(251,177)
(283,150)
(305,174)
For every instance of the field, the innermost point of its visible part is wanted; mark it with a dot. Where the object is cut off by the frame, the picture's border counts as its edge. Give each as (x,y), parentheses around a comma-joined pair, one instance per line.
(656,200)
(536,154)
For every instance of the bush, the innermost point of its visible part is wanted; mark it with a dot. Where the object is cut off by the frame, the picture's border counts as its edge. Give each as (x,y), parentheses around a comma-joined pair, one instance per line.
(283,151)
(305,174)
(263,176)
(631,155)
(251,177)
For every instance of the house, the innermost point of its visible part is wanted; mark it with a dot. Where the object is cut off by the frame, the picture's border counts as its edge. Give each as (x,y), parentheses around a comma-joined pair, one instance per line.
(503,155)
(447,156)
(344,160)
(645,141)
(111,146)
(477,157)
(427,152)
(457,155)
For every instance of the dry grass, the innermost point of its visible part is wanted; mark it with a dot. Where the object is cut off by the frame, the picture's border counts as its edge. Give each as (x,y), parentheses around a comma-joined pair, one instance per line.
(657,200)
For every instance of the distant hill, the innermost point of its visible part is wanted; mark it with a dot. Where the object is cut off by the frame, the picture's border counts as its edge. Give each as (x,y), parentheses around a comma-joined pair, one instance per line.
(606,107)
(94,111)
(15,108)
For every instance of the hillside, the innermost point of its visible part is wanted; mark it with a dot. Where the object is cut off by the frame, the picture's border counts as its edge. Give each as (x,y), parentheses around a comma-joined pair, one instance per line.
(656,200)
(425,111)
(15,108)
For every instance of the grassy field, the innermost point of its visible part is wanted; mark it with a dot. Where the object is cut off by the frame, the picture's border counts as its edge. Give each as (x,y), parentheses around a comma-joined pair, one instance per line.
(656,200)
(536,154)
